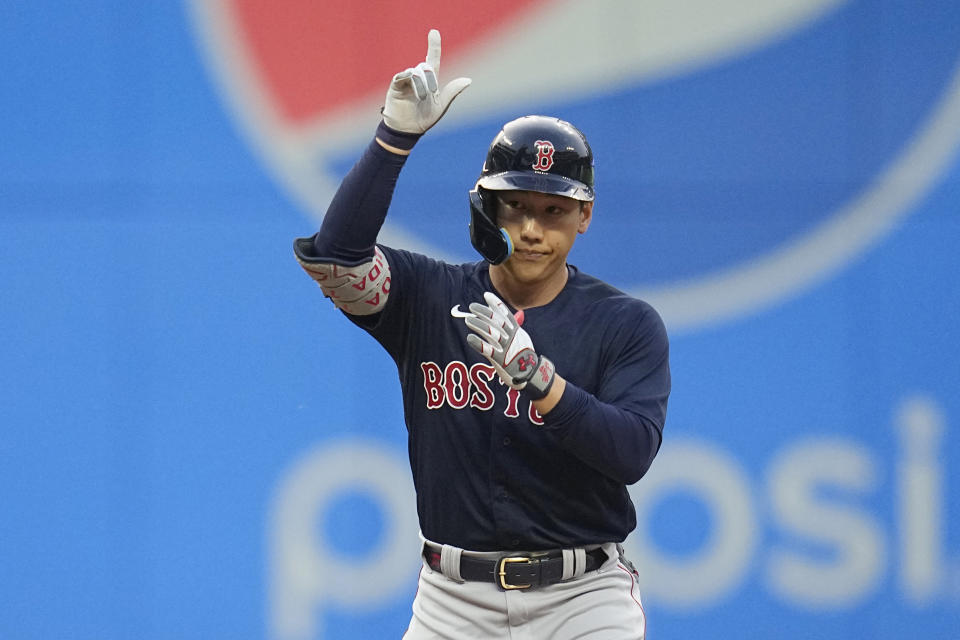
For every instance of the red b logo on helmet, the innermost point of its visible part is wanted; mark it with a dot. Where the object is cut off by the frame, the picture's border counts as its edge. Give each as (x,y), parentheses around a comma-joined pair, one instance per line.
(544,155)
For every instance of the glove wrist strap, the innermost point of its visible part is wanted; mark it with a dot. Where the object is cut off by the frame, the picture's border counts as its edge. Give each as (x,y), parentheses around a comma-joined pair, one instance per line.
(399,139)
(538,385)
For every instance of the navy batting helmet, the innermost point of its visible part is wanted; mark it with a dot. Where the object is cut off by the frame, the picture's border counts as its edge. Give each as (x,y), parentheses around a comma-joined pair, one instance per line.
(532,153)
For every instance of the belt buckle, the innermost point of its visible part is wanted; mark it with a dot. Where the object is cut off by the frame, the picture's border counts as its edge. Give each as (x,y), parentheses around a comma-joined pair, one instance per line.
(502,572)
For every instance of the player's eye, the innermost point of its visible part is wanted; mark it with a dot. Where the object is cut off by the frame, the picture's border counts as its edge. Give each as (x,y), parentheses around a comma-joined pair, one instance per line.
(556,211)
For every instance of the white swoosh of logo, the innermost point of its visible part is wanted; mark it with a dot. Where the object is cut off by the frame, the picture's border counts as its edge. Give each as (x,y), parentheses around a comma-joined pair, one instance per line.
(456,313)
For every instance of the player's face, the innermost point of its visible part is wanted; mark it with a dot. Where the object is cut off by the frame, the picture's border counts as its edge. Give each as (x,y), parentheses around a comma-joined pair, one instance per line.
(542,228)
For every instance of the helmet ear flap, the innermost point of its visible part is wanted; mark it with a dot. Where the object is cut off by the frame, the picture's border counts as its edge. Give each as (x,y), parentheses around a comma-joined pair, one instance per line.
(491,241)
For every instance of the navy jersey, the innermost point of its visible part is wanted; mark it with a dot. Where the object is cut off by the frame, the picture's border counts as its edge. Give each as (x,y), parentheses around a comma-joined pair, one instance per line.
(490,472)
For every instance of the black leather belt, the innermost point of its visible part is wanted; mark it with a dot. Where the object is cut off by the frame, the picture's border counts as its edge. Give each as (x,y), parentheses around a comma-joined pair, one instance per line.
(516,572)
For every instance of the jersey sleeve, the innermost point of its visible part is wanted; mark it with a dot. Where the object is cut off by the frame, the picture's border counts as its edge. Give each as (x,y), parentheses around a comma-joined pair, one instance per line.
(618,430)
(417,281)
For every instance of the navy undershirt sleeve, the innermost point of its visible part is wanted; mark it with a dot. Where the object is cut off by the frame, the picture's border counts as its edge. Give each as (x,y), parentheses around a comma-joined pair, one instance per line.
(356,213)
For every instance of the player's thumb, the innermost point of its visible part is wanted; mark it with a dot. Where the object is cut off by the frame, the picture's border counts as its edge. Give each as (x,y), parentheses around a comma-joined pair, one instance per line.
(452,90)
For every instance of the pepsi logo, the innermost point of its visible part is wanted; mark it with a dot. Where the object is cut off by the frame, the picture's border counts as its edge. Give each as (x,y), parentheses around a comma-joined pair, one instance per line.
(744,151)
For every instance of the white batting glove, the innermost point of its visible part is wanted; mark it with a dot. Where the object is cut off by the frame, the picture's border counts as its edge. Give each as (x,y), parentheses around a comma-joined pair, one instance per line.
(414,101)
(499,337)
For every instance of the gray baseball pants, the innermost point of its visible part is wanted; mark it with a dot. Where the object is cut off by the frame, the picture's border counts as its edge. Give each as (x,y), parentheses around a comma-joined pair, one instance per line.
(603,604)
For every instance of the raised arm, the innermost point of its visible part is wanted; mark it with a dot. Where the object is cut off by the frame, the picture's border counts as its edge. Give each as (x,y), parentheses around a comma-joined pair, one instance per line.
(342,257)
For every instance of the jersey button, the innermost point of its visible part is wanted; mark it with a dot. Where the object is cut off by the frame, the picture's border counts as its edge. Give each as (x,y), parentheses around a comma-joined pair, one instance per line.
(514,543)
(506,441)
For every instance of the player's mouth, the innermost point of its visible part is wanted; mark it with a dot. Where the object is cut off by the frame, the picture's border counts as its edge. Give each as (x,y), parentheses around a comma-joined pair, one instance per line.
(528,255)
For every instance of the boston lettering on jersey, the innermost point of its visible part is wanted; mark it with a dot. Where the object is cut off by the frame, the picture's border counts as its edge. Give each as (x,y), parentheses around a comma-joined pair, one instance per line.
(461,386)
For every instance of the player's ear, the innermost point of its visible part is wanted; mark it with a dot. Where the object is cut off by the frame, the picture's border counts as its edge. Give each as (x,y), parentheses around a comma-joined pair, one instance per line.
(586,215)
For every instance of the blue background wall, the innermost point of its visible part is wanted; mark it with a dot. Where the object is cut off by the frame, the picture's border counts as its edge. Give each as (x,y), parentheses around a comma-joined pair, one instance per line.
(193,444)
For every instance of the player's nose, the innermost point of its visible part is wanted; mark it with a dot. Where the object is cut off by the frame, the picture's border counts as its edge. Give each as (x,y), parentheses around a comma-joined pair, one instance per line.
(530,228)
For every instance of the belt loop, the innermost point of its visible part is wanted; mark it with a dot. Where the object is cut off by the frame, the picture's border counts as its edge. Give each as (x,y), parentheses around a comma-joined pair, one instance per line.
(574,563)
(450,562)
(569,564)
(580,561)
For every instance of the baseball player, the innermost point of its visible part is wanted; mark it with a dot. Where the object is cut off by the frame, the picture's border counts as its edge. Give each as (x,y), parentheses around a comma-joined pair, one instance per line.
(533,393)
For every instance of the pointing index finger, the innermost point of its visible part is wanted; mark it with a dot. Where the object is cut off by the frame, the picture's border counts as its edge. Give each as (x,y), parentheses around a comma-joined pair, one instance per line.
(433,50)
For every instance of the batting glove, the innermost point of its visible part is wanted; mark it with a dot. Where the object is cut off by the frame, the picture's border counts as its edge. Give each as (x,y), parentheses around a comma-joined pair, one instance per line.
(498,336)
(414,101)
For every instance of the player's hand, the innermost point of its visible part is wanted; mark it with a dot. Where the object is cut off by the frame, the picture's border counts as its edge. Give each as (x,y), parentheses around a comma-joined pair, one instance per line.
(415,101)
(498,336)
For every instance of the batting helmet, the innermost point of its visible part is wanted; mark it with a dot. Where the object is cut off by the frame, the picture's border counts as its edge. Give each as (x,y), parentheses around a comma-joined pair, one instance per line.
(532,153)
